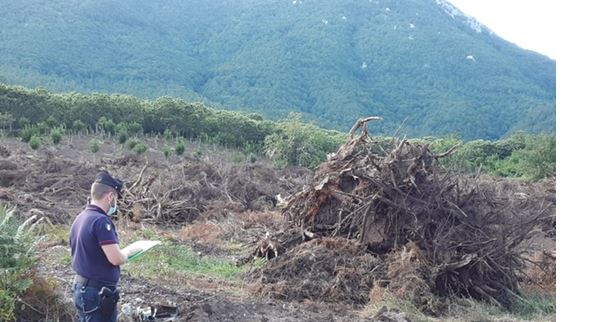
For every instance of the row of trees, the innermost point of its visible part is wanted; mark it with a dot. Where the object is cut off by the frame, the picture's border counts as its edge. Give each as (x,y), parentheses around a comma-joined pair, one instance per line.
(37,113)
(32,114)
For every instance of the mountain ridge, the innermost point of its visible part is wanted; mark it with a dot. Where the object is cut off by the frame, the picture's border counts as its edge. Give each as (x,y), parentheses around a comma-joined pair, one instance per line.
(422,61)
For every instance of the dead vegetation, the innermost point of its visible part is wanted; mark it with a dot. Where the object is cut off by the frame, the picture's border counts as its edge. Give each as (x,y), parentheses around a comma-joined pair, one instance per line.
(338,270)
(45,183)
(389,216)
(185,191)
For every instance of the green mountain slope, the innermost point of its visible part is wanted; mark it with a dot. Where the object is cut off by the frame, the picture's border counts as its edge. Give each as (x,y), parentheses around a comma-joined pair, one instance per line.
(334,61)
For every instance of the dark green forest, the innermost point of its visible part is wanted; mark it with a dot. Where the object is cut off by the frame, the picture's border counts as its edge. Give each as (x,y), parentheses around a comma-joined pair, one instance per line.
(332,61)
(32,114)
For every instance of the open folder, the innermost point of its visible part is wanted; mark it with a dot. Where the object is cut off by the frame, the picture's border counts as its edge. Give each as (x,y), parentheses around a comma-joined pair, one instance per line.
(143,245)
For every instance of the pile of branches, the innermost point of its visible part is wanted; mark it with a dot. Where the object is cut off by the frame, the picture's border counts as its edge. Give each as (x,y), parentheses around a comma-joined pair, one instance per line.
(45,185)
(467,231)
(160,196)
(188,190)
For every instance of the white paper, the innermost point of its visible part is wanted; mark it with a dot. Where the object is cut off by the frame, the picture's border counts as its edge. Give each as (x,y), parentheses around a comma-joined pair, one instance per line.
(142,246)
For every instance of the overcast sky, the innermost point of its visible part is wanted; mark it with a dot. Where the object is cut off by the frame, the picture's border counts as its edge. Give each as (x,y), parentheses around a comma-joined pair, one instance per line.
(527,23)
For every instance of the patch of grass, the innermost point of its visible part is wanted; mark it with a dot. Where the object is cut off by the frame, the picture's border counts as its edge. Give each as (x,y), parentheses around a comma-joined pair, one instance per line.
(259,262)
(238,158)
(168,260)
(146,233)
(65,259)
(56,233)
(233,247)
(391,303)
(532,305)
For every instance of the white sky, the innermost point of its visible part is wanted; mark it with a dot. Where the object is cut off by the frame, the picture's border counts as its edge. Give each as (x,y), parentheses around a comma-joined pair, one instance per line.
(530,24)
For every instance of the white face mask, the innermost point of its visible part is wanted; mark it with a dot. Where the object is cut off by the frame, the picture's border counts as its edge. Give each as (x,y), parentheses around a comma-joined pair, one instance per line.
(112,209)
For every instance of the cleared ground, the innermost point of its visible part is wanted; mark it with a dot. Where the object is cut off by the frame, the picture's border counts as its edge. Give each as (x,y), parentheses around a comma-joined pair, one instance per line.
(210,209)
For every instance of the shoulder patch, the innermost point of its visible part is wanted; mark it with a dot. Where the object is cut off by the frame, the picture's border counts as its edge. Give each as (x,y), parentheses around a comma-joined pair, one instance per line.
(108,226)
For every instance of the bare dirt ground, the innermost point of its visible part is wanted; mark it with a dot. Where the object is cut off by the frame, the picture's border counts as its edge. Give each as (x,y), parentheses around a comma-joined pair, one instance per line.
(215,206)
(203,303)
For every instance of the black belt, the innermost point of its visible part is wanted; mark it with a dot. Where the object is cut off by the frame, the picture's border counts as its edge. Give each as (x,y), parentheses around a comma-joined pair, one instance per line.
(90,282)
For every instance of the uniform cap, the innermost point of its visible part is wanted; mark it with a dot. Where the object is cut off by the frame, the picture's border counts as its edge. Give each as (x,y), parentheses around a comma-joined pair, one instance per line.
(106,178)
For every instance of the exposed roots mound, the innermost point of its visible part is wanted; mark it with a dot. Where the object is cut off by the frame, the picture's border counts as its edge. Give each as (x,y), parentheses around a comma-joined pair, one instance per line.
(328,269)
(467,231)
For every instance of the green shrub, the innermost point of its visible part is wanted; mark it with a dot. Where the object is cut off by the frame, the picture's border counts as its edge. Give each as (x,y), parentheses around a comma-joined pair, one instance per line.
(7,305)
(23,122)
(140,148)
(251,147)
(168,134)
(132,143)
(94,145)
(131,128)
(6,121)
(35,142)
(56,135)
(167,152)
(252,158)
(205,139)
(51,122)
(537,160)
(17,259)
(79,126)
(300,144)
(43,128)
(28,132)
(106,125)
(122,136)
(238,158)
(180,147)
(135,128)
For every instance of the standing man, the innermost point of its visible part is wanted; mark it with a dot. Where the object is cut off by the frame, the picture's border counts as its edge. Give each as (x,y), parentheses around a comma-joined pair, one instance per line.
(96,255)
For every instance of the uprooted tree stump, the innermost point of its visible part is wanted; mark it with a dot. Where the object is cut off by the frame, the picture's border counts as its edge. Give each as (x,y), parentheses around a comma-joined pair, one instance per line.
(465,231)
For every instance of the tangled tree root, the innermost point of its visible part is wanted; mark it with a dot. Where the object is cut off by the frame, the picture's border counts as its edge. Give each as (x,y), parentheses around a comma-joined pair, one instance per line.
(448,235)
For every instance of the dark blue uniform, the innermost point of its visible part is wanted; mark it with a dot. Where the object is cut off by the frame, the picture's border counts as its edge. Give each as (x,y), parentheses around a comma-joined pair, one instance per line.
(91,230)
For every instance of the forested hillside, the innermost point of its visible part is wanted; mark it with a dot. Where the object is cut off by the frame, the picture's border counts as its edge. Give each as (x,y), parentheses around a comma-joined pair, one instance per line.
(333,61)
(40,117)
